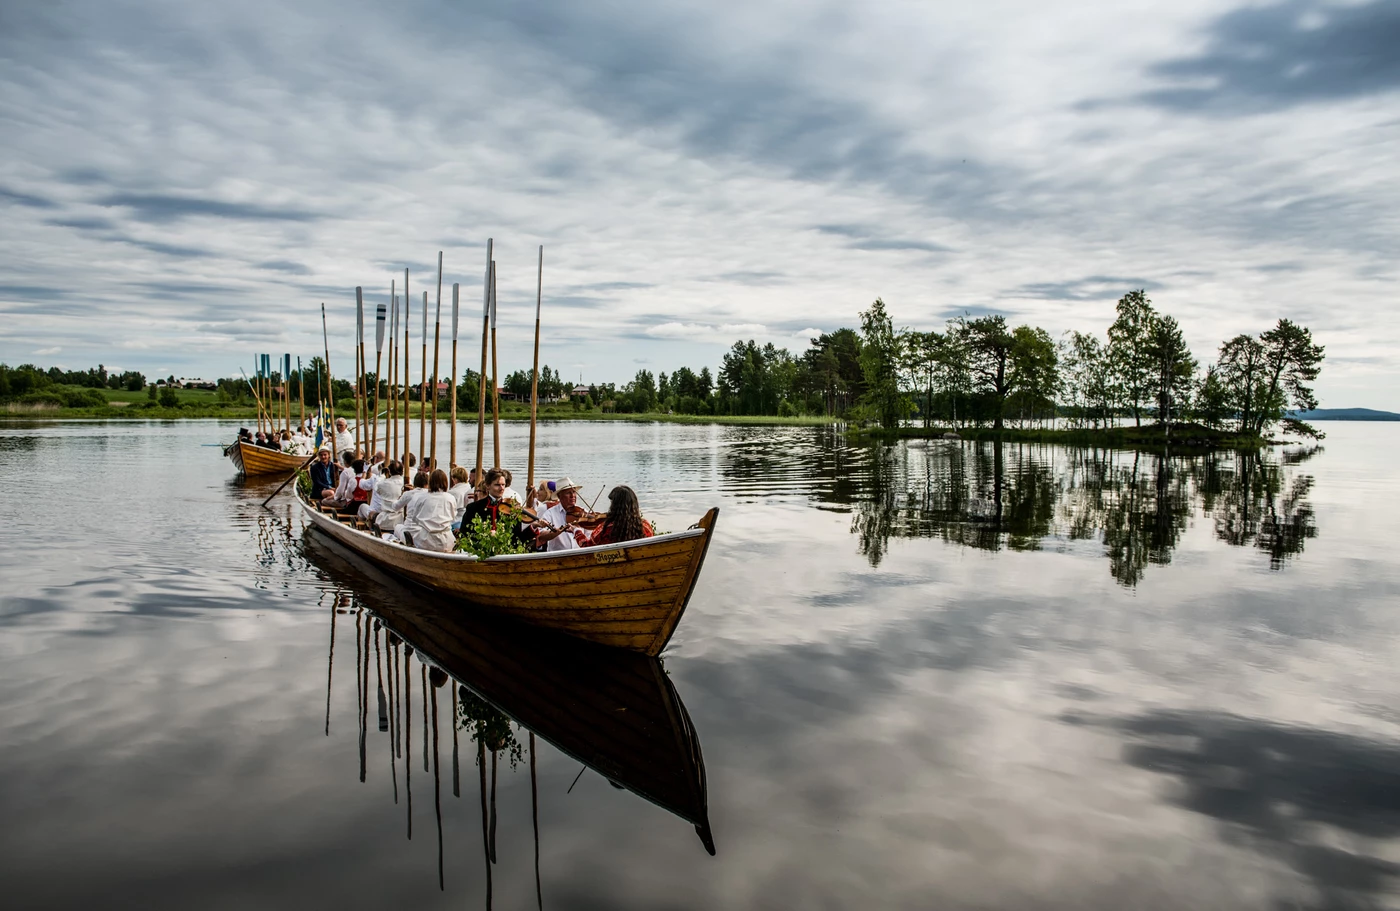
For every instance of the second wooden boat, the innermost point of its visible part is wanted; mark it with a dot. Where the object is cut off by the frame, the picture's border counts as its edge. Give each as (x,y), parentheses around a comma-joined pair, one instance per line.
(629,595)
(252,460)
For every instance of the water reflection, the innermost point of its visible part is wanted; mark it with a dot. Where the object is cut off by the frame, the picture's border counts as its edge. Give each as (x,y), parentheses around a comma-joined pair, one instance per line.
(1324,802)
(1014,496)
(615,712)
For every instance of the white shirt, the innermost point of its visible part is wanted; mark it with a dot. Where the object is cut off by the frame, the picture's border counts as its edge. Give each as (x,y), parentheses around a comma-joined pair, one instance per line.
(386,491)
(460,492)
(345,487)
(558,517)
(430,521)
(344,440)
(397,512)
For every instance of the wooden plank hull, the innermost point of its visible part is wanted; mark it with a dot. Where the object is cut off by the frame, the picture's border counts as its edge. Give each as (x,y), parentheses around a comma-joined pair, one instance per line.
(254,460)
(614,711)
(628,596)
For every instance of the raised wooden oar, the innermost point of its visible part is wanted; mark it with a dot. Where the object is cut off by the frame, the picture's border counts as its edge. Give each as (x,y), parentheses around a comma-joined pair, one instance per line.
(535,376)
(495,377)
(452,384)
(423,454)
(257,402)
(391,426)
(481,379)
(301,397)
(437,338)
(404,353)
(330,381)
(380,313)
(360,438)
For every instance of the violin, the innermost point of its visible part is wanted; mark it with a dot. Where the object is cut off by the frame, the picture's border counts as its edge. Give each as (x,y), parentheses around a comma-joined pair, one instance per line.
(585,518)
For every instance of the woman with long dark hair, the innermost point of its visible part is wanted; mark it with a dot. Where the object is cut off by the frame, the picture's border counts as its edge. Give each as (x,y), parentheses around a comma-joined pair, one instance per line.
(624,521)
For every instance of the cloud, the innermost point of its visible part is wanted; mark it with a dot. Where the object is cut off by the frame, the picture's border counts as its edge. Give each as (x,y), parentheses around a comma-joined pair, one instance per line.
(160,208)
(1275,57)
(863,238)
(25,199)
(697,174)
(54,350)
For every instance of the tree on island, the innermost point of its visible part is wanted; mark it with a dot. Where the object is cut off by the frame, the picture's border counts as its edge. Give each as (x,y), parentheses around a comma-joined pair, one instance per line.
(1128,340)
(880,356)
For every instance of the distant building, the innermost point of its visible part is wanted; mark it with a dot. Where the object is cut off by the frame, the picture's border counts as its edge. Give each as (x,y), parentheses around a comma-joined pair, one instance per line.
(185,382)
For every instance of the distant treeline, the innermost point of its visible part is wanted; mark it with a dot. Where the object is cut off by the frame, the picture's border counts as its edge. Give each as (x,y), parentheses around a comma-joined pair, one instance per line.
(974,371)
(30,384)
(980,371)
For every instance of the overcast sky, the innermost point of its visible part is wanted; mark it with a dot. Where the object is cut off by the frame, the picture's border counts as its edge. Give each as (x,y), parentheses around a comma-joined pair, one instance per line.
(182,184)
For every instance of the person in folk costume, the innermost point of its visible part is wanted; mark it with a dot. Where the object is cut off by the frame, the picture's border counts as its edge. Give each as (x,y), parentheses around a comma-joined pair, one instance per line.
(556,514)
(461,491)
(488,506)
(624,521)
(400,511)
(323,474)
(384,490)
(347,486)
(431,516)
(376,464)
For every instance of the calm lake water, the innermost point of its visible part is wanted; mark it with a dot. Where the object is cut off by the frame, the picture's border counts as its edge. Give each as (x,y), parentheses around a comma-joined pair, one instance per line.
(939,675)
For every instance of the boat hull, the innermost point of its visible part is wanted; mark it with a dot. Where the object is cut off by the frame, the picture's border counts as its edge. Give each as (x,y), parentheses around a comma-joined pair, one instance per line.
(628,596)
(258,460)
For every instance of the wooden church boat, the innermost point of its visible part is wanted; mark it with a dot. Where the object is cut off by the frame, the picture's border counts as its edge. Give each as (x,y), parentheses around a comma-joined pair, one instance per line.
(259,460)
(628,595)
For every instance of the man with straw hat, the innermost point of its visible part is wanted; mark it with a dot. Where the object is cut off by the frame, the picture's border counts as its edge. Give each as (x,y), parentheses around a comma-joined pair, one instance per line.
(560,536)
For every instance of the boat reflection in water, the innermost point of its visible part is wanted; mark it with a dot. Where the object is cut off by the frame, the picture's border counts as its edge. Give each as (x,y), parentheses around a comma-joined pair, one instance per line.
(614,711)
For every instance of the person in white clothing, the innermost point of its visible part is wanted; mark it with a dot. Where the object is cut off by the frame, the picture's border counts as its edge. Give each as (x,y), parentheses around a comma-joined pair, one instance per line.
(385,490)
(401,510)
(461,491)
(344,439)
(560,536)
(431,516)
(344,491)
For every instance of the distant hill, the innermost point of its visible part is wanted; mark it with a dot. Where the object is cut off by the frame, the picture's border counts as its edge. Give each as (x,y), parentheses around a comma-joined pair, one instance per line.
(1345,414)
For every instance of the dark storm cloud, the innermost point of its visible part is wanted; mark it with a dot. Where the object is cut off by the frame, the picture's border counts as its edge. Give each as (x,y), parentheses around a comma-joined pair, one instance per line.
(1277,57)
(31,292)
(25,199)
(284,265)
(1091,287)
(164,249)
(160,208)
(863,238)
(84,224)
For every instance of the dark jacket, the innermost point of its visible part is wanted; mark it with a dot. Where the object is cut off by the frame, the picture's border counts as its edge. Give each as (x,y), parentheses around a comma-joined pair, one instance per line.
(323,477)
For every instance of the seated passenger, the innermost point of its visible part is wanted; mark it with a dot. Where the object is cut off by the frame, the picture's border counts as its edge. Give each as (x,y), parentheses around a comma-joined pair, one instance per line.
(489,505)
(553,530)
(461,489)
(429,521)
(400,510)
(345,488)
(385,489)
(624,521)
(323,475)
